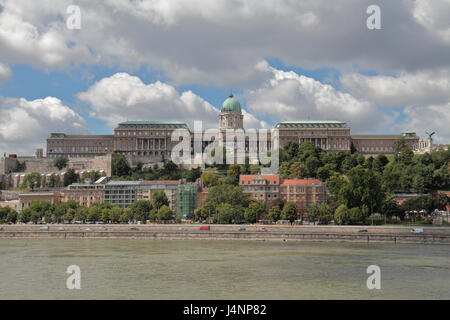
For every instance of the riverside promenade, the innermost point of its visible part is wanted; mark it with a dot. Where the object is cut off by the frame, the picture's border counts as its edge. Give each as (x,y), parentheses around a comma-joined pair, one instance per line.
(391,234)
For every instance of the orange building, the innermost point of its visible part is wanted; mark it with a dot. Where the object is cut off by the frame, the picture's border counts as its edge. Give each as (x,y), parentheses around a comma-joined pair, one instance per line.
(303,192)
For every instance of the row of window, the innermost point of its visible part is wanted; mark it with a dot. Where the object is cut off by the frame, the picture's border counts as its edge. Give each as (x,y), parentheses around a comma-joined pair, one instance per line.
(142,133)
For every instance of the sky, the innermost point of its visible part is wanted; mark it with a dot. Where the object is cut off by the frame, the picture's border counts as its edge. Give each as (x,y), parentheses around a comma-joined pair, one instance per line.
(179,60)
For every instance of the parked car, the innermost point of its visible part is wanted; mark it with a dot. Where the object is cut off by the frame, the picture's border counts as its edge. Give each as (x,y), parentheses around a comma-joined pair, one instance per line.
(182,229)
(261,229)
(363,230)
(242,229)
(417,230)
(133,228)
(61,229)
(204,228)
(44,228)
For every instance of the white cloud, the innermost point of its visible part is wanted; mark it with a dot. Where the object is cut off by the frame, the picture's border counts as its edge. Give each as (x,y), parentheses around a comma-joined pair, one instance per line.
(423,87)
(289,96)
(219,42)
(5,72)
(33,32)
(434,16)
(25,125)
(124,97)
(428,118)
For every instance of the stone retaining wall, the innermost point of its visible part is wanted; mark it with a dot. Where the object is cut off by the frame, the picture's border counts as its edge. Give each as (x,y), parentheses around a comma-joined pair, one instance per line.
(374,234)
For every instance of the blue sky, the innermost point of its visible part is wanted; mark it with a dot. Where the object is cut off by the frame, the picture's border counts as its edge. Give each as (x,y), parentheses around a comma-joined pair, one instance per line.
(180,60)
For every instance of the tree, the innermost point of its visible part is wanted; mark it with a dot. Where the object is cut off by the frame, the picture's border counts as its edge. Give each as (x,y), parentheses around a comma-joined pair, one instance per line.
(25,215)
(275,213)
(390,207)
(313,212)
(164,213)
(352,148)
(21,166)
(60,162)
(194,174)
(11,217)
(357,216)
(234,171)
(284,170)
(169,167)
(81,213)
(364,188)
(120,167)
(443,200)
(160,199)
(69,216)
(292,149)
(225,193)
(325,172)
(226,214)
(125,217)
(52,181)
(306,150)
(91,176)
(140,209)
(298,170)
(32,180)
(290,211)
(253,211)
(312,164)
(94,213)
(7,215)
(402,151)
(105,215)
(342,215)
(246,165)
(70,177)
(210,179)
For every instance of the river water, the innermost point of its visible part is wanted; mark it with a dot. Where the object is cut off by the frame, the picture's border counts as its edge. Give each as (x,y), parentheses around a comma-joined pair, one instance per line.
(220,269)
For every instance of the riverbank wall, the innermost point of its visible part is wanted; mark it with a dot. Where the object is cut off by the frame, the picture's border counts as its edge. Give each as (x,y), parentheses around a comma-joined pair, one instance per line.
(232,232)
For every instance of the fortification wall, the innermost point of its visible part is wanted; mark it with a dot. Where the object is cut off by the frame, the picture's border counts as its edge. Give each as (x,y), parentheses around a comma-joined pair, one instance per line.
(45,167)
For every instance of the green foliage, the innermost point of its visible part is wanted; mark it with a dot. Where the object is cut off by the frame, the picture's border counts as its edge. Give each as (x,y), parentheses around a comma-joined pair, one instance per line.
(312,164)
(234,171)
(298,170)
(120,166)
(90,175)
(275,213)
(32,180)
(140,209)
(8,215)
(289,211)
(194,174)
(160,199)
(60,162)
(363,188)
(225,193)
(164,213)
(70,177)
(210,179)
(21,166)
(424,202)
(227,214)
(342,215)
(253,212)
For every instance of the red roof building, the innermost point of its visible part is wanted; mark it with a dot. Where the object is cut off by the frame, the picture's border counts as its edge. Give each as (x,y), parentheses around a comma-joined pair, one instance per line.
(303,192)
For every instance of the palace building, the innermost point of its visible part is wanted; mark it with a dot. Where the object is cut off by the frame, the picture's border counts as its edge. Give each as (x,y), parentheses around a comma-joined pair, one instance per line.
(150,141)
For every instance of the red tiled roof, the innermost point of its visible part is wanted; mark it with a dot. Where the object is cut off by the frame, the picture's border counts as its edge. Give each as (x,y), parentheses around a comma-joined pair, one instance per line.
(149,182)
(268,177)
(300,181)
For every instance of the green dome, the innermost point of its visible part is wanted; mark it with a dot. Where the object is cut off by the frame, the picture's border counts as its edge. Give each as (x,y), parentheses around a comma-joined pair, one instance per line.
(231,105)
